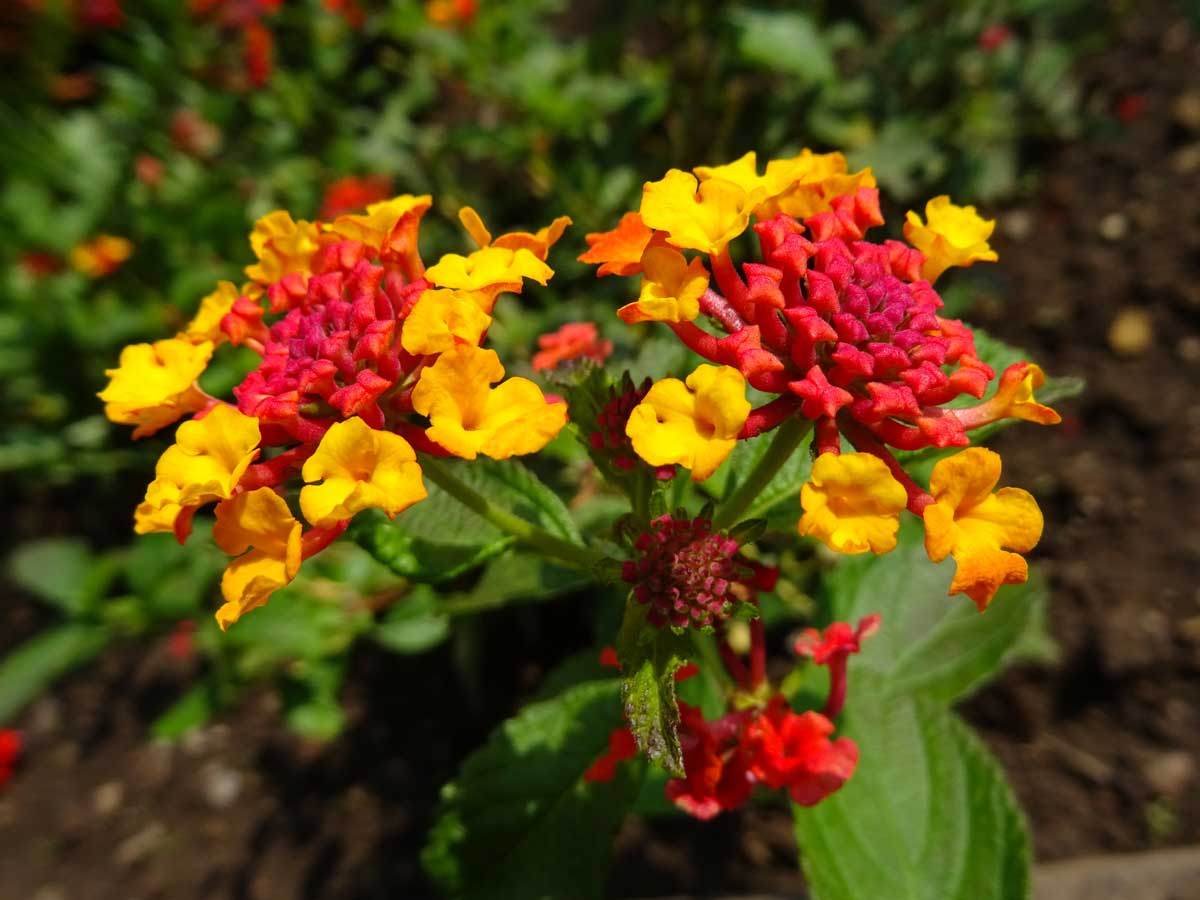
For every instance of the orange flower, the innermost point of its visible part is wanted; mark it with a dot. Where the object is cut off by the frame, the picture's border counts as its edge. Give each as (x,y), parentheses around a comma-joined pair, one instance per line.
(620,250)
(352,193)
(100,256)
(852,503)
(573,340)
(538,244)
(206,324)
(1013,400)
(976,526)
(445,13)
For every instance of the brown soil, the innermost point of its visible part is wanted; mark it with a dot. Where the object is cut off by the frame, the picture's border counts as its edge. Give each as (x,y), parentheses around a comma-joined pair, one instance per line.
(1103,749)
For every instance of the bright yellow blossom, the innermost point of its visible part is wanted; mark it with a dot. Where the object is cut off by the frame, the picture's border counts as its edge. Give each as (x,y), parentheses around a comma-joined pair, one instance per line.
(852,503)
(671,288)
(492,270)
(259,526)
(204,465)
(468,416)
(206,324)
(693,424)
(361,468)
(805,184)
(538,244)
(952,236)
(978,527)
(377,229)
(702,216)
(155,384)
(282,246)
(100,256)
(443,318)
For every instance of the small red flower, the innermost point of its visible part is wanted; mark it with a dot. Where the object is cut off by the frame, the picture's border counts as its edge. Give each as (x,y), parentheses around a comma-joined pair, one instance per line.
(10,750)
(575,340)
(149,169)
(1130,107)
(621,746)
(794,751)
(352,193)
(832,648)
(181,644)
(995,36)
(718,768)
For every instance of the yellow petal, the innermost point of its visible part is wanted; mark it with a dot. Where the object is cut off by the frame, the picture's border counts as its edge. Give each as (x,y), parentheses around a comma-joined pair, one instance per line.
(468,416)
(282,246)
(805,185)
(375,228)
(155,384)
(694,424)
(702,216)
(979,527)
(671,288)
(206,325)
(952,236)
(492,270)
(361,468)
(852,503)
(443,318)
(538,243)
(259,522)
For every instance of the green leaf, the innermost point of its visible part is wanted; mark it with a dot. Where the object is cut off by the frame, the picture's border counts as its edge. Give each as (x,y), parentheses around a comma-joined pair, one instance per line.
(413,625)
(649,657)
(927,815)
(518,821)
(191,711)
(439,539)
(786,42)
(60,571)
(43,659)
(930,644)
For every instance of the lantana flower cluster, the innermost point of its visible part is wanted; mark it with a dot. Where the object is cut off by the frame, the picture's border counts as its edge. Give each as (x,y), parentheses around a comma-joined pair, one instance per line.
(368,359)
(845,336)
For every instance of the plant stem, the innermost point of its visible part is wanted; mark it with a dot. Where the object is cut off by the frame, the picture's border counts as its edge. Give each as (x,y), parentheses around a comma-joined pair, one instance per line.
(787,438)
(526,532)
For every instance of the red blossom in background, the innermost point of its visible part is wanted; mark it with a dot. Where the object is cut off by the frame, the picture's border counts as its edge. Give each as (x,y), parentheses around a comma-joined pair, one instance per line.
(352,193)
(621,746)
(99,14)
(832,648)
(574,340)
(995,36)
(10,750)
(446,13)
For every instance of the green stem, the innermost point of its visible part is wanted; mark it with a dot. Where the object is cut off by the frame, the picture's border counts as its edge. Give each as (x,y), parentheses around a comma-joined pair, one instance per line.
(787,438)
(524,531)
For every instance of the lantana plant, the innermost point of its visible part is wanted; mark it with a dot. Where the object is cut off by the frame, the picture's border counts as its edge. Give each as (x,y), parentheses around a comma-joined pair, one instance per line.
(828,379)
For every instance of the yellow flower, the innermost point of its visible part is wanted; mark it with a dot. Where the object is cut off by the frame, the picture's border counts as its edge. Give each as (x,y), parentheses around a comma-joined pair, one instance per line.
(852,503)
(671,288)
(259,526)
(206,325)
(154,384)
(1013,400)
(694,424)
(100,256)
(282,246)
(953,236)
(805,184)
(697,216)
(204,465)
(538,244)
(491,271)
(362,467)
(468,416)
(377,229)
(974,525)
(440,319)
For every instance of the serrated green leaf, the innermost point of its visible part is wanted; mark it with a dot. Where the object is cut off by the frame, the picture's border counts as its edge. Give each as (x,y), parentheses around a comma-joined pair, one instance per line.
(649,658)
(927,815)
(45,658)
(519,821)
(930,644)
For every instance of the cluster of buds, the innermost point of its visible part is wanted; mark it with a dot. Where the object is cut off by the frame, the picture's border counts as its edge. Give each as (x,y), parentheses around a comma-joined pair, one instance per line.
(846,334)
(608,442)
(367,359)
(760,740)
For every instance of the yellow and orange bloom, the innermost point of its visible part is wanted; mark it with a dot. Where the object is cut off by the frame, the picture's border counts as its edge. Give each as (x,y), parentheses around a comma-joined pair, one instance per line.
(282,246)
(490,271)
(671,288)
(852,503)
(442,319)
(388,225)
(100,256)
(619,251)
(448,13)
(155,384)
(204,465)
(806,185)
(702,216)
(951,236)
(978,527)
(1013,400)
(206,324)
(468,416)
(538,243)
(258,528)
(359,468)
(694,423)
